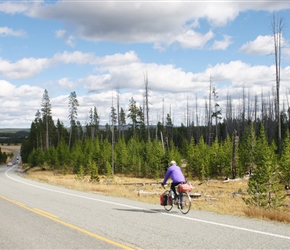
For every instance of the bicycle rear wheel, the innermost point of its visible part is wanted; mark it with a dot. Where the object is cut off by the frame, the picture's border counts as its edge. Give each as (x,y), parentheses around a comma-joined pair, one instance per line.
(185,203)
(169,204)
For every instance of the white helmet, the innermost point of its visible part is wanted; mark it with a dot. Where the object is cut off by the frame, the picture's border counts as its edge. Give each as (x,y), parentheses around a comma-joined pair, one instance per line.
(172,163)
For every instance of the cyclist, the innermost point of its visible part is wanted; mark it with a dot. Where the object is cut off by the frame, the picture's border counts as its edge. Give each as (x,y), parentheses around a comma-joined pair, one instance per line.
(176,175)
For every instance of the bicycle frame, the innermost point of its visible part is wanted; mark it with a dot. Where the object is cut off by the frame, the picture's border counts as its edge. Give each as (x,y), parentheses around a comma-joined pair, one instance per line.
(183,201)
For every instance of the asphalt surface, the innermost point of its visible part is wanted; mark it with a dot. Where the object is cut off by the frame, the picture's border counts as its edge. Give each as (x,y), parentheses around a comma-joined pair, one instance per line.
(35,215)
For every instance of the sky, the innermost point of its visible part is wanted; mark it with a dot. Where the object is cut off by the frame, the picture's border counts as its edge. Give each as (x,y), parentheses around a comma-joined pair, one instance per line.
(105,50)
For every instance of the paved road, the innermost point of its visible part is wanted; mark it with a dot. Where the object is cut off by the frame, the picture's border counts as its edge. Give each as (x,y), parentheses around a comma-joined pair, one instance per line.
(36,215)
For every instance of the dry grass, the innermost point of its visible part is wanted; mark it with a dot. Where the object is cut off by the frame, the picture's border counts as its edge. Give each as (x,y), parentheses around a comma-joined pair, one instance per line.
(274,215)
(9,149)
(223,197)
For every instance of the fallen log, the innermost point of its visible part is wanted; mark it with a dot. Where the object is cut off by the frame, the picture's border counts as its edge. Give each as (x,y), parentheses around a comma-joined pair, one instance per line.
(194,195)
(141,192)
(142,183)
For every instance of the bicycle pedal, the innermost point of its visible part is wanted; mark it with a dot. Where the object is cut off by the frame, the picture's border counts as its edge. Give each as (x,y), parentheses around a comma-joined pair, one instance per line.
(180,206)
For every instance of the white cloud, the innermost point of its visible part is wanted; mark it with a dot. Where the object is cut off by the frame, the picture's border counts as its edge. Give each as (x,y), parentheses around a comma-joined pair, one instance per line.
(19,104)
(10,91)
(130,23)
(262,45)
(23,68)
(131,76)
(6,88)
(14,7)
(62,34)
(76,57)
(29,67)
(222,44)
(5,31)
(27,91)
(97,82)
(65,83)
(130,19)
(119,59)
(231,72)
(191,39)
(170,87)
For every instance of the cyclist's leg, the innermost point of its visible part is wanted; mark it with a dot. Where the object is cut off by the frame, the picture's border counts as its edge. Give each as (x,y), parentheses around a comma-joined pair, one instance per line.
(172,187)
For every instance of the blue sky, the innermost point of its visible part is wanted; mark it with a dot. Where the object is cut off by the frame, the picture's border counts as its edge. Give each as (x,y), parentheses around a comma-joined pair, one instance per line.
(97,47)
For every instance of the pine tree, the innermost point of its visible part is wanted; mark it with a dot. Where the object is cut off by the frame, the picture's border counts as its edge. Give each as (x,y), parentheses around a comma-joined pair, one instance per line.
(46,114)
(169,127)
(134,152)
(214,161)
(108,171)
(105,156)
(285,161)
(50,155)
(96,122)
(94,172)
(246,150)
(174,154)
(63,154)
(263,187)
(73,107)
(202,159)
(38,126)
(36,158)
(133,114)
(225,154)
(122,120)
(93,127)
(81,172)
(121,156)
(191,154)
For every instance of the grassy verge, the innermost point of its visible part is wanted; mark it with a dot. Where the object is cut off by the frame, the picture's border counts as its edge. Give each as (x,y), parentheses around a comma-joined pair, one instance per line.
(9,150)
(224,197)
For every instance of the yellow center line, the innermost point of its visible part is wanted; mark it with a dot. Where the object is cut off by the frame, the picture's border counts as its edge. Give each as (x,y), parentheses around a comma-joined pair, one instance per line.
(55,218)
(46,213)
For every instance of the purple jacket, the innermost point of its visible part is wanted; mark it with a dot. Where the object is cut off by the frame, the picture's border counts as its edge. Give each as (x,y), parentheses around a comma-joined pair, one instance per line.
(175,173)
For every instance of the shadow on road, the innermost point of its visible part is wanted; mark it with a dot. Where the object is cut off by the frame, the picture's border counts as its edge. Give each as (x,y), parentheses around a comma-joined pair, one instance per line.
(151,211)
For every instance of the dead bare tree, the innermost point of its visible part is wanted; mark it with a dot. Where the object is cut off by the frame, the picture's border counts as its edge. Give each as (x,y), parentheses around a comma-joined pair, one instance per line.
(288,107)
(196,119)
(229,115)
(255,112)
(147,103)
(243,115)
(277,27)
(209,114)
(217,112)
(118,112)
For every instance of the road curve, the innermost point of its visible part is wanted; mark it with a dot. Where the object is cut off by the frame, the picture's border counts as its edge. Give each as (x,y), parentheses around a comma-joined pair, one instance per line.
(37,215)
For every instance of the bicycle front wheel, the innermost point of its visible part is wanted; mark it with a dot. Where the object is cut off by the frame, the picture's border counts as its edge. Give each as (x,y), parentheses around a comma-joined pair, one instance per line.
(185,203)
(168,206)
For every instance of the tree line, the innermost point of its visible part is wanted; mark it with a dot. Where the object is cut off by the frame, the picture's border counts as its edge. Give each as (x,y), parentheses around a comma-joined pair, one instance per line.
(140,151)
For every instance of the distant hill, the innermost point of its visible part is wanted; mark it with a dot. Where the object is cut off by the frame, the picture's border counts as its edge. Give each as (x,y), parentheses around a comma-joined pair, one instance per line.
(10,136)
(14,130)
